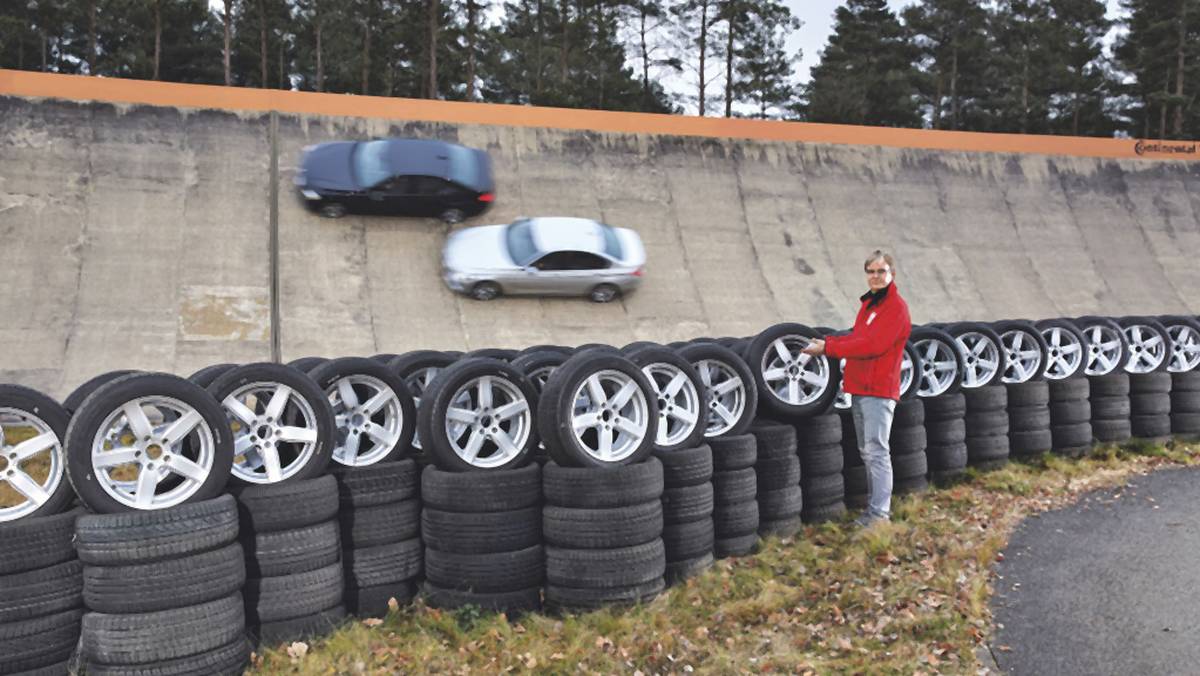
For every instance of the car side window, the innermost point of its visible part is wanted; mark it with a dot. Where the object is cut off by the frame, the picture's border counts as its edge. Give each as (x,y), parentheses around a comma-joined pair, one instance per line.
(397,185)
(570,260)
(429,186)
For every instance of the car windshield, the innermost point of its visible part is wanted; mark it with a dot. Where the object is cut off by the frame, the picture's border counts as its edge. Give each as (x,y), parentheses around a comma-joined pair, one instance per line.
(612,244)
(520,241)
(370,163)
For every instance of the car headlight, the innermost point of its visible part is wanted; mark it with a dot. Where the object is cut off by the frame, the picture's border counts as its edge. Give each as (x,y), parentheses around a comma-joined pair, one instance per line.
(311,194)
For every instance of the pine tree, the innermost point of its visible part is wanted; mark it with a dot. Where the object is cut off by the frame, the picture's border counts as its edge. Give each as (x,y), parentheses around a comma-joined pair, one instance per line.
(695,22)
(764,68)
(952,38)
(1161,50)
(1022,67)
(1082,82)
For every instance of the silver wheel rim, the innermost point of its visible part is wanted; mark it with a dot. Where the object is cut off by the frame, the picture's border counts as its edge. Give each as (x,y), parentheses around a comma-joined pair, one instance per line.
(938,366)
(39,446)
(726,396)
(1024,356)
(795,378)
(1185,348)
(842,400)
(610,416)
(678,403)
(488,422)
(906,375)
(274,432)
(161,444)
(418,381)
(539,376)
(369,419)
(1104,350)
(981,358)
(1064,353)
(1147,349)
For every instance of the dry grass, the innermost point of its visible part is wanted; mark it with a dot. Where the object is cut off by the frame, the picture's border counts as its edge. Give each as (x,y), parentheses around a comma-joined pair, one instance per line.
(906,597)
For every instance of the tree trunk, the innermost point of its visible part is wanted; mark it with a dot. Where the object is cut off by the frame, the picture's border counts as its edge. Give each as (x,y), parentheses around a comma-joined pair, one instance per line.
(1162,108)
(282,84)
(228,19)
(471,9)
(564,48)
(320,62)
(954,88)
(1177,129)
(537,54)
(729,61)
(157,36)
(262,41)
(92,57)
(937,101)
(1025,94)
(645,55)
(1075,117)
(703,46)
(44,50)
(366,55)
(433,36)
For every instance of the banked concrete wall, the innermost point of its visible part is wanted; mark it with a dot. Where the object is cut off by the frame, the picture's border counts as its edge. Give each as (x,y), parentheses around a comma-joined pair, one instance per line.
(140,236)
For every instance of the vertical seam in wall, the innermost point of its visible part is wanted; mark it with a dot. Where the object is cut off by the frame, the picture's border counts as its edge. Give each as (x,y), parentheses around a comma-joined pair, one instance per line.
(736,156)
(276,340)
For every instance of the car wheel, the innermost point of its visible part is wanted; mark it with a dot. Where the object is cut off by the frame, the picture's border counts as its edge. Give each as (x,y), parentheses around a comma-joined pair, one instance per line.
(452,216)
(603,293)
(32,429)
(372,408)
(333,210)
(485,291)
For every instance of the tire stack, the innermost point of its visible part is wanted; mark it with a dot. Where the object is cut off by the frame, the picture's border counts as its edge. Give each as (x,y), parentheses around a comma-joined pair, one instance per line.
(295,583)
(687,511)
(946,436)
(854,472)
(819,447)
(379,519)
(1185,404)
(483,538)
(1150,406)
(735,495)
(163,591)
(41,603)
(777,478)
(987,426)
(1070,417)
(1109,399)
(603,528)
(908,441)
(1029,432)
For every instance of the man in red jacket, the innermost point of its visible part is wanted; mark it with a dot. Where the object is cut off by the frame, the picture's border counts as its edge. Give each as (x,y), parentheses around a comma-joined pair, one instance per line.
(873,352)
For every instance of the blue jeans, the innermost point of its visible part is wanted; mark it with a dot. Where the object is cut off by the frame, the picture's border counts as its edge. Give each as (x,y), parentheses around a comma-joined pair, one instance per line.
(873,424)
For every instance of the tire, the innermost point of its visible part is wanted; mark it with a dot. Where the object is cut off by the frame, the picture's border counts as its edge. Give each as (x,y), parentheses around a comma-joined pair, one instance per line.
(485,291)
(773,441)
(987,424)
(1142,360)
(38,542)
(679,571)
(1149,383)
(145,537)
(781,528)
(418,369)
(287,506)
(945,458)
(733,486)
(1030,442)
(683,541)
(306,364)
(562,598)
(388,564)
(205,376)
(984,358)
(780,504)
(41,591)
(300,628)
(821,430)
(537,366)
(76,397)
(604,293)
(452,216)
(776,473)
(481,532)
(511,602)
(1025,349)
(1185,424)
(1185,382)
(578,528)
(294,551)
(821,460)
(686,467)
(227,660)
(736,520)
(492,441)
(1150,404)
(1108,348)
(982,450)
(260,426)
(1028,394)
(1072,435)
(908,389)
(38,642)
(1110,408)
(1030,419)
(1150,426)
(142,638)
(824,490)
(367,380)
(286,597)
(907,467)
(1072,389)
(854,481)
(945,407)
(495,491)
(943,432)
(947,360)
(824,513)
(606,568)
(332,210)
(688,503)
(910,485)
(1072,412)
(908,440)
(163,585)
(787,393)
(1185,402)
(557,416)
(1112,385)
(31,410)
(589,487)
(1066,349)
(993,398)
(727,369)
(375,601)
(1112,431)
(741,545)
(682,397)
(380,525)
(495,572)
(1184,332)
(908,414)
(734,452)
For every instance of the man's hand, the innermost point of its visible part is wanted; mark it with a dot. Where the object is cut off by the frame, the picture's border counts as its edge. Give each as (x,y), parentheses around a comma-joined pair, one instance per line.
(815,347)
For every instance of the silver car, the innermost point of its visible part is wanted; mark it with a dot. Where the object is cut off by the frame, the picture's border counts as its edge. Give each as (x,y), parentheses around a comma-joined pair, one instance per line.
(544,256)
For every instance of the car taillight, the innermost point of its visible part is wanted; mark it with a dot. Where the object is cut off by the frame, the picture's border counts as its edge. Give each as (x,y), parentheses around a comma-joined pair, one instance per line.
(487,197)
(637,273)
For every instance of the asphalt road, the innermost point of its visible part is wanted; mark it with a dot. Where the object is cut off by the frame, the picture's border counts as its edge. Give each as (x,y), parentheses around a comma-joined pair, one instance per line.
(1110,585)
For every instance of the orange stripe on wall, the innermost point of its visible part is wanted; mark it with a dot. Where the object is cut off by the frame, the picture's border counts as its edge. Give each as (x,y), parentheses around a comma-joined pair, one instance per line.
(84,88)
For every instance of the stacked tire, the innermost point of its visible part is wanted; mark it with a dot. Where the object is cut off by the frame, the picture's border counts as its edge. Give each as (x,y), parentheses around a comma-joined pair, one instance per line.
(1070,416)
(1185,404)
(819,448)
(854,472)
(483,538)
(1150,405)
(1108,396)
(946,436)
(777,477)
(687,511)
(735,492)
(292,541)
(1029,431)
(163,591)
(603,529)
(908,441)
(379,521)
(986,426)
(41,602)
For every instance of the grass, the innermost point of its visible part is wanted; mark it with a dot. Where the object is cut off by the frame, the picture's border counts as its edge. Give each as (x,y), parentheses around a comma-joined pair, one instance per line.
(906,597)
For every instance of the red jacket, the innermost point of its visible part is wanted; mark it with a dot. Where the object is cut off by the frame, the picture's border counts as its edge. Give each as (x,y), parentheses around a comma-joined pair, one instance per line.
(875,347)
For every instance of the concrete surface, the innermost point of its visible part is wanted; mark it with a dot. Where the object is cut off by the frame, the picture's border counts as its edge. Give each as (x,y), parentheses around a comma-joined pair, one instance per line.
(139,237)
(1107,586)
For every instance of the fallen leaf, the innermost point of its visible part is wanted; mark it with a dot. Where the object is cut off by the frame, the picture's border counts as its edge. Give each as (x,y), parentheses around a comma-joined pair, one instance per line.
(297,651)
(372,622)
(393,604)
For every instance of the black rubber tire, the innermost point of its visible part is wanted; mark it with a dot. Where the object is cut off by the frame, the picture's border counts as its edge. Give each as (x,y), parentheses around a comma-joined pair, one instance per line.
(377,484)
(1112,431)
(821,430)
(481,532)
(1188,381)
(227,660)
(685,569)
(306,364)
(905,467)
(733,486)
(606,568)
(385,564)
(776,473)
(286,506)
(739,545)
(945,407)
(909,413)
(824,490)
(1185,402)
(697,352)
(1110,408)
(781,503)
(1071,412)
(926,333)
(288,552)
(300,628)
(982,450)
(529,363)
(824,513)
(687,503)
(41,591)
(991,398)
(959,328)
(602,487)
(497,353)
(1154,325)
(647,357)
(494,491)
(30,644)
(1072,435)
(1031,442)
(163,585)
(1030,418)
(1045,326)
(686,466)
(143,638)
(781,528)
(1149,383)
(734,452)
(821,460)
(1185,424)
(947,457)
(987,423)
(1087,323)
(38,542)
(1072,389)
(854,479)
(1028,394)
(942,432)
(39,406)
(375,601)
(205,376)
(1150,426)
(510,602)
(380,525)
(76,397)
(761,345)
(907,440)
(494,572)
(1156,403)
(328,374)
(561,599)
(286,597)
(555,407)
(1032,335)
(773,440)
(688,540)
(910,485)
(578,528)
(1111,385)
(145,537)
(736,519)
(86,421)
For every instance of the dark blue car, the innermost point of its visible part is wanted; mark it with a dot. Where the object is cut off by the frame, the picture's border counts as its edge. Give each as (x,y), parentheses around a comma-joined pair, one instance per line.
(403,177)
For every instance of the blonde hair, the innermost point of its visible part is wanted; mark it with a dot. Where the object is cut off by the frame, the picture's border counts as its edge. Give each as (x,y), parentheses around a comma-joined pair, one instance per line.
(879,255)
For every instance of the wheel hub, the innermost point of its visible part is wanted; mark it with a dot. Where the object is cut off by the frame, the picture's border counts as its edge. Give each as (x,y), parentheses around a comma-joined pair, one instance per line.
(154,451)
